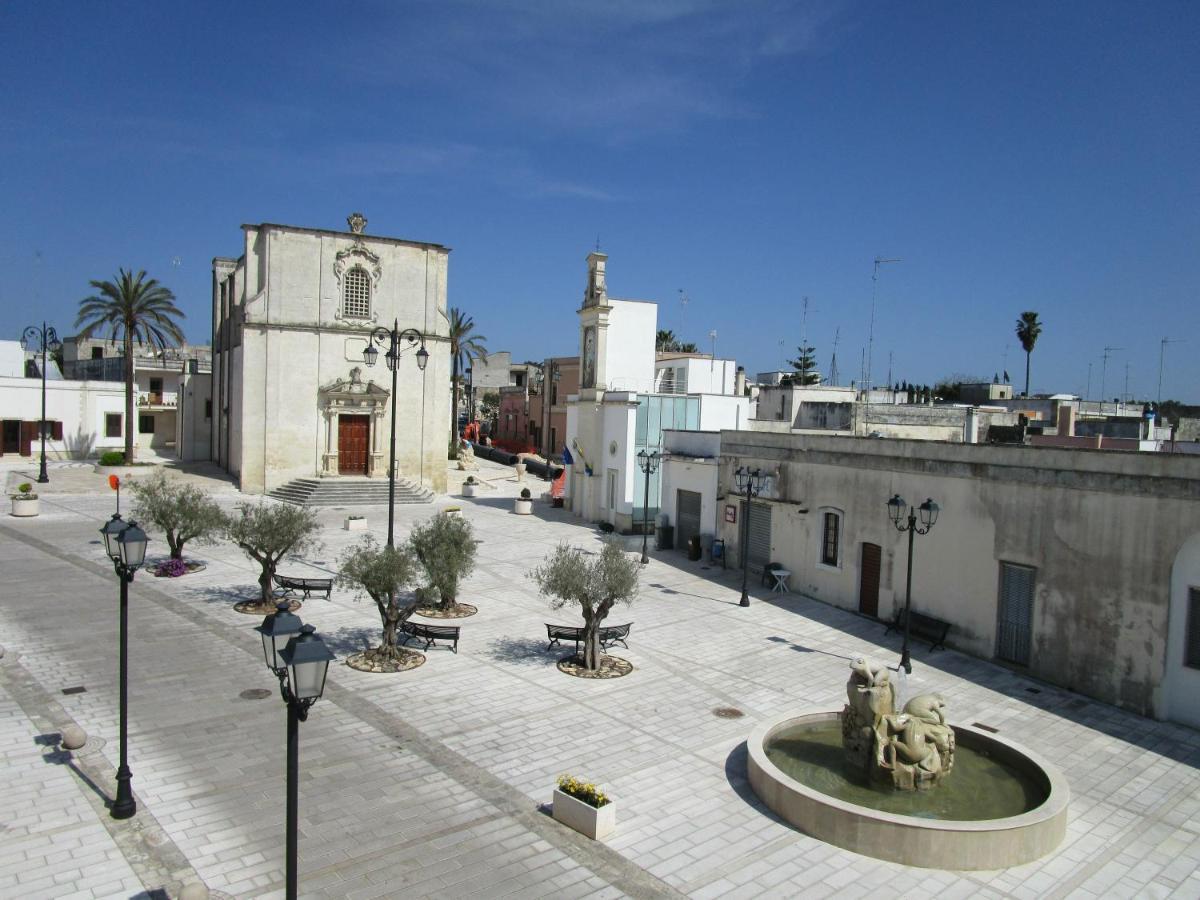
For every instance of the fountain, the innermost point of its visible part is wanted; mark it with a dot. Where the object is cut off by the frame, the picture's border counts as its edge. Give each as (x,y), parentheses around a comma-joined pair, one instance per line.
(907,786)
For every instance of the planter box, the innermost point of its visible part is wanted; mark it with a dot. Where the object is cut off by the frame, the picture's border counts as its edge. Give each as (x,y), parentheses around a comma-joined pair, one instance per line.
(523,507)
(468,490)
(594,822)
(25,507)
(355,523)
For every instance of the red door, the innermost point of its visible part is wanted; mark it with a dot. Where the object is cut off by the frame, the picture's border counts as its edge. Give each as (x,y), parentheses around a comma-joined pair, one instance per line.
(353,433)
(30,432)
(868,583)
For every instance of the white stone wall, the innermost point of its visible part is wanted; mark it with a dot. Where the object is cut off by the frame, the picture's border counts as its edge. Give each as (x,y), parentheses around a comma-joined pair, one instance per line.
(81,406)
(629,349)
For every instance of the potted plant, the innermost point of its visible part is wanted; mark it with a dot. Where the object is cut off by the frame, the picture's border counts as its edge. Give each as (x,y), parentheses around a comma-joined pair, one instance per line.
(24,501)
(355,523)
(583,806)
(523,505)
(470,486)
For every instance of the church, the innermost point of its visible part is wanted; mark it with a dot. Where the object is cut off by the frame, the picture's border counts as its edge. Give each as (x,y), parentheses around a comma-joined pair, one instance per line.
(293,393)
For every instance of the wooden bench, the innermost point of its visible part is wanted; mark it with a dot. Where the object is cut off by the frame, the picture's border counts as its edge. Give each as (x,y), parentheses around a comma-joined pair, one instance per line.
(286,586)
(609,635)
(430,634)
(926,627)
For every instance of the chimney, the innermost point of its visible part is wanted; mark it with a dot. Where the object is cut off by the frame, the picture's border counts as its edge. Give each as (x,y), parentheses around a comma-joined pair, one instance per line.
(1066,418)
(739,382)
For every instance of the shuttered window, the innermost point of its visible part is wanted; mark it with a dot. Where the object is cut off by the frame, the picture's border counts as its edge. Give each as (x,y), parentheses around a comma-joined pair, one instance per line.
(1191,650)
(112,425)
(1014,632)
(356,294)
(829,539)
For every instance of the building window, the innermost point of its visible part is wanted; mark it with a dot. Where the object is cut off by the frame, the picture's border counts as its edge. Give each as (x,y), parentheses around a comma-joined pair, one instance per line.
(145,424)
(831,534)
(1014,631)
(356,294)
(1191,650)
(112,425)
(208,409)
(97,353)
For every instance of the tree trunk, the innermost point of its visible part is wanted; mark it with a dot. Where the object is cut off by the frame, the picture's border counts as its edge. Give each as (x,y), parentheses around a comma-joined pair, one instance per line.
(454,405)
(591,643)
(175,544)
(265,581)
(391,621)
(129,424)
(1028,353)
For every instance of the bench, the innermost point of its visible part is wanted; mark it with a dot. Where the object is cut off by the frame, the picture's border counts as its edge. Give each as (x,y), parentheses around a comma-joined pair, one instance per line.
(286,586)
(926,627)
(612,634)
(430,634)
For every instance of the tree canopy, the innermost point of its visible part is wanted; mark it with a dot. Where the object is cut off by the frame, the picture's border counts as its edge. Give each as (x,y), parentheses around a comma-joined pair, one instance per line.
(184,512)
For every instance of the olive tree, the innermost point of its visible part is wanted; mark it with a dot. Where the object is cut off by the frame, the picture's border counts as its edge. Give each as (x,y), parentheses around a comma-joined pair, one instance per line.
(183,511)
(270,531)
(383,573)
(445,548)
(595,583)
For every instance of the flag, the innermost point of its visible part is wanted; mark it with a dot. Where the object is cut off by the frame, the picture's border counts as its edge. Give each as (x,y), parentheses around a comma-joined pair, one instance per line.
(1006,378)
(567,460)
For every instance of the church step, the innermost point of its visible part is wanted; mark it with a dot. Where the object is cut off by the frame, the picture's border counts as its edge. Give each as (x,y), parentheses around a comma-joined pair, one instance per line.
(348,492)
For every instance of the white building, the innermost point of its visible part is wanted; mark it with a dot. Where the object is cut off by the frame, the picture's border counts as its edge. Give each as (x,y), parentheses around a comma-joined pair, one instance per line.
(291,319)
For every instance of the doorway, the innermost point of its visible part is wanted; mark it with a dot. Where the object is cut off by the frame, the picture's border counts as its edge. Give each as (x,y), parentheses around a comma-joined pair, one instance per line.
(12,436)
(868,580)
(687,517)
(353,433)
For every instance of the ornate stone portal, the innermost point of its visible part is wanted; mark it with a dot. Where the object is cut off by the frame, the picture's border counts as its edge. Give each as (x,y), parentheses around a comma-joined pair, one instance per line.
(913,749)
(353,396)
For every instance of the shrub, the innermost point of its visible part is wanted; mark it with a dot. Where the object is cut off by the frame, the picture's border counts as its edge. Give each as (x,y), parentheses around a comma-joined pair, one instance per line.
(267,532)
(171,568)
(582,790)
(445,547)
(112,458)
(525,494)
(24,492)
(383,572)
(183,511)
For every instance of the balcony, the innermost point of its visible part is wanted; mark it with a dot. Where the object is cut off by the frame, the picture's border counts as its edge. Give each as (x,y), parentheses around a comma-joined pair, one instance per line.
(157,400)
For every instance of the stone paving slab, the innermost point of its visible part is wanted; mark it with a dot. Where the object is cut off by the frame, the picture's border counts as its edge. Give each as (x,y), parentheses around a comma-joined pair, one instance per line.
(431,782)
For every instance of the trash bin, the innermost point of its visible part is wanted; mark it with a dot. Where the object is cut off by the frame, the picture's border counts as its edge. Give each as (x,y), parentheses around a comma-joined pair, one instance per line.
(706,542)
(666,537)
(694,547)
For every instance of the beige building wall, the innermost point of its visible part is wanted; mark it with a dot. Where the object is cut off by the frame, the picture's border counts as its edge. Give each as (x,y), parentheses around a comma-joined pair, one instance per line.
(1103,530)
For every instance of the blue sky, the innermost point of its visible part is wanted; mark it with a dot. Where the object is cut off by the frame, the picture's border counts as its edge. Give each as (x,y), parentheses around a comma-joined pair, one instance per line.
(1013,155)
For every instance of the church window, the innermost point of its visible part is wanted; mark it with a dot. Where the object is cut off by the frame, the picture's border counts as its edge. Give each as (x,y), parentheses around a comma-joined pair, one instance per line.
(356,294)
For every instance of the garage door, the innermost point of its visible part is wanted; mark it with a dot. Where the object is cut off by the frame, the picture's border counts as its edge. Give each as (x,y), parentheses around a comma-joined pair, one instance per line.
(687,516)
(760,535)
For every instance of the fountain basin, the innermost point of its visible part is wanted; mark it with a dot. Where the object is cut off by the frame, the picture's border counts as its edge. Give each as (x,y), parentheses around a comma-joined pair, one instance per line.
(941,843)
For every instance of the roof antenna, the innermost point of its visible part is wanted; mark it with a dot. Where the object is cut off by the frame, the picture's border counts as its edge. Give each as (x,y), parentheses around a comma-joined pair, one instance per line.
(597,243)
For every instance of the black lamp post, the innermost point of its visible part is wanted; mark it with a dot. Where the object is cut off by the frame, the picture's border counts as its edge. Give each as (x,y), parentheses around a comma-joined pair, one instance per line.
(471,395)
(649,465)
(392,340)
(550,388)
(42,339)
(125,544)
(749,482)
(929,514)
(300,660)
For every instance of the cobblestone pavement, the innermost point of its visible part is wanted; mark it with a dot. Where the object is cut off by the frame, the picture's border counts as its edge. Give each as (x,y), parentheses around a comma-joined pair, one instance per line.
(434,781)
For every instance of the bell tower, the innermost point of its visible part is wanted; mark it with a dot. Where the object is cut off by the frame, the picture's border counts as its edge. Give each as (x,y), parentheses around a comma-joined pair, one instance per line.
(593,327)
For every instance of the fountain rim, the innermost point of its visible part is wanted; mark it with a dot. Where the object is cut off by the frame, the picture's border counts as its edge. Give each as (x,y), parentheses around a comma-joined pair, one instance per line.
(1058,793)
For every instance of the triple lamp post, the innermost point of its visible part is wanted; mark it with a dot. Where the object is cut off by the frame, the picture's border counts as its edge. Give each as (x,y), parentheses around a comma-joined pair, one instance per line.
(125,544)
(649,465)
(392,339)
(929,513)
(43,340)
(300,660)
(749,482)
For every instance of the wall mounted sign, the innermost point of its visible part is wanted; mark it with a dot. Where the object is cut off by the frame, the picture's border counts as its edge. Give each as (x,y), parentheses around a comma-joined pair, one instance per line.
(731,514)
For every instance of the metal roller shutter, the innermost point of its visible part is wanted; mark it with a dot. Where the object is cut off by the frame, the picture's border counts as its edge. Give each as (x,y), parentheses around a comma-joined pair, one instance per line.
(687,515)
(760,535)
(1014,633)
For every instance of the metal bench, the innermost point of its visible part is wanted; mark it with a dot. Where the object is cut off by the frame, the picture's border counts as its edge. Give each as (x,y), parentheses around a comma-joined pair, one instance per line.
(609,635)
(285,586)
(430,634)
(926,627)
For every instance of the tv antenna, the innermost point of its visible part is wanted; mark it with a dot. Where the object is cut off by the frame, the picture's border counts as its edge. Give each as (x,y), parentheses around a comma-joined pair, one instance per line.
(833,372)
(879,260)
(683,302)
(1162,351)
(1108,351)
(712,336)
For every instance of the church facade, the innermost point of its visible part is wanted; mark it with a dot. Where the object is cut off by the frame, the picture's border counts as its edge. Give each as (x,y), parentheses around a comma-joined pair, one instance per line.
(293,396)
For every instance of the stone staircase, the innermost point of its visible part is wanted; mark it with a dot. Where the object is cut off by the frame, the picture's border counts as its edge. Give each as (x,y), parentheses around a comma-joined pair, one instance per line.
(348,492)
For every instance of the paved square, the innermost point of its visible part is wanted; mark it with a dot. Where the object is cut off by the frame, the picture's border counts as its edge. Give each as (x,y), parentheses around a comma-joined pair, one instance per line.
(432,782)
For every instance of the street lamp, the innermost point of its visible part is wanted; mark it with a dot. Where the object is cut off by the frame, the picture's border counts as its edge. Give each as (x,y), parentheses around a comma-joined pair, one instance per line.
(125,544)
(392,340)
(929,514)
(550,390)
(42,340)
(471,396)
(301,666)
(749,482)
(649,465)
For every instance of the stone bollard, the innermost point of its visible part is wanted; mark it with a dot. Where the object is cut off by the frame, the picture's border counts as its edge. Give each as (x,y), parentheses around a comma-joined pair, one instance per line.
(73,737)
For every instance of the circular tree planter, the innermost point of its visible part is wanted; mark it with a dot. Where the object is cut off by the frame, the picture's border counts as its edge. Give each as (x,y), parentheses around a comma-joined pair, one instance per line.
(455,611)
(610,667)
(191,567)
(25,508)
(523,507)
(370,661)
(258,608)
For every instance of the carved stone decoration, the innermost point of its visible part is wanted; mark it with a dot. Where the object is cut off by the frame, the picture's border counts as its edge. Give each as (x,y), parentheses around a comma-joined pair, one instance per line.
(353,396)
(357,222)
(913,749)
(357,254)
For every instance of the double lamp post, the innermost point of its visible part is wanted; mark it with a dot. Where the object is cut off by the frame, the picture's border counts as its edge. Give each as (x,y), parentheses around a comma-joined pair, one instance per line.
(649,465)
(750,482)
(929,513)
(42,340)
(393,340)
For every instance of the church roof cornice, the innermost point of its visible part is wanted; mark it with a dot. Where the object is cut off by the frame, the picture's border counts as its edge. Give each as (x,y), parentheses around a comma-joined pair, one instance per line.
(346,234)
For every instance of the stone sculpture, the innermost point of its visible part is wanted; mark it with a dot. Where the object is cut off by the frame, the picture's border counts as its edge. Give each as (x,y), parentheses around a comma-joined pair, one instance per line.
(914,749)
(466,456)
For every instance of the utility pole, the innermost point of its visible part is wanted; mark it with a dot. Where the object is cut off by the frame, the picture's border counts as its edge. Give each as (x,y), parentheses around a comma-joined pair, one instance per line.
(879,260)
(1104,371)
(683,302)
(1162,350)
(833,372)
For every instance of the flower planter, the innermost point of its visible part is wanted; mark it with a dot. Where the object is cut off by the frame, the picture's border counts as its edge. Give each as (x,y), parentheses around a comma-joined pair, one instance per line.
(25,507)
(592,821)
(355,523)
(523,507)
(468,490)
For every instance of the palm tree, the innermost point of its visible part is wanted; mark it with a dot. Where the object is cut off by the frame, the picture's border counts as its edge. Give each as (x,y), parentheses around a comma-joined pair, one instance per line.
(464,347)
(1028,330)
(133,308)
(664,341)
